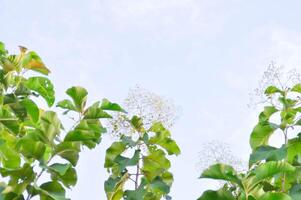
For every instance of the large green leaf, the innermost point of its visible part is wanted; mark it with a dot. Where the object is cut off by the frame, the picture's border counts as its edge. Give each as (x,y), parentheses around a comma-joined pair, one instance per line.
(52,190)
(112,152)
(296,88)
(272,90)
(275,196)
(155,164)
(221,172)
(139,193)
(162,138)
(79,97)
(50,125)
(270,169)
(293,148)
(217,195)
(43,87)
(95,112)
(261,134)
(32,61)
(114,187)
(59,168)
(9,158)
(66,104)
(295,192)
(32,109)
(267,113)
(137,123)
(268,153)
(158,186)
(124,162)
(87,131)
(3,51)
(107,105)
(19,179)
(9,120)
(67,176)
(30,148)
(68,151)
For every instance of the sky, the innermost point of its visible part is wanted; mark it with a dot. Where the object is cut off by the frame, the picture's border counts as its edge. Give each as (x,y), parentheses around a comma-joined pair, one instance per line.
(204,55)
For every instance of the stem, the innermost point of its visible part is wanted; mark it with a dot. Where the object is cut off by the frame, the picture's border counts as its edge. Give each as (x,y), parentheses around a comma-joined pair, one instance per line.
(137,171)
(137,176)
(284,175)
(35,181)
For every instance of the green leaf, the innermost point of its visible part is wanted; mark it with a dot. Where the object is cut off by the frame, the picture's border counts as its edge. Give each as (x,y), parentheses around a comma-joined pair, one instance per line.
(158,186)
(30,148)
(272,90)
(137,123)
(50,125)
(287,102)
(107,105)
(167,177)
(261,134)
(267,113)
(25,172)
(9,63)
(293,149)
(9,158)
(158,127)
(114,187)
(162,138)
(69,178)
(3,51)
(95,112)
(217,195)
(52,189)
(32,61)
(268,153)
(79,97)
(275,196)
(68,151)
(135,194)
(155,164)
(61,169)
(124,162)
(221,172)
(14,191)
(296,88)
(43,87)
(295,192)
(112,152)
(66,104)
(32,109)
(87,131)
(9,120)
(269,169)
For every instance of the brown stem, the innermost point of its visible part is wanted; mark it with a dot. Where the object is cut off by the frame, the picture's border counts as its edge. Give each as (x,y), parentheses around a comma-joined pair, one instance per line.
(137,175)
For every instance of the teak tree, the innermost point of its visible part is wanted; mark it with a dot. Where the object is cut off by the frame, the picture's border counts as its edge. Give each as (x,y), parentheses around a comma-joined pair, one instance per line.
(33,141)
(274,172)
(140,158)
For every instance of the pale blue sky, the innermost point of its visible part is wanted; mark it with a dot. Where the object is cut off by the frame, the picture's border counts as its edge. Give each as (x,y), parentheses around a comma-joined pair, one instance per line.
(205,55)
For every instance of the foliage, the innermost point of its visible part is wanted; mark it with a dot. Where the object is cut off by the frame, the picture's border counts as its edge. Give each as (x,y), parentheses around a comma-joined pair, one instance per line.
(140,158)
(33,141)
(274,172)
